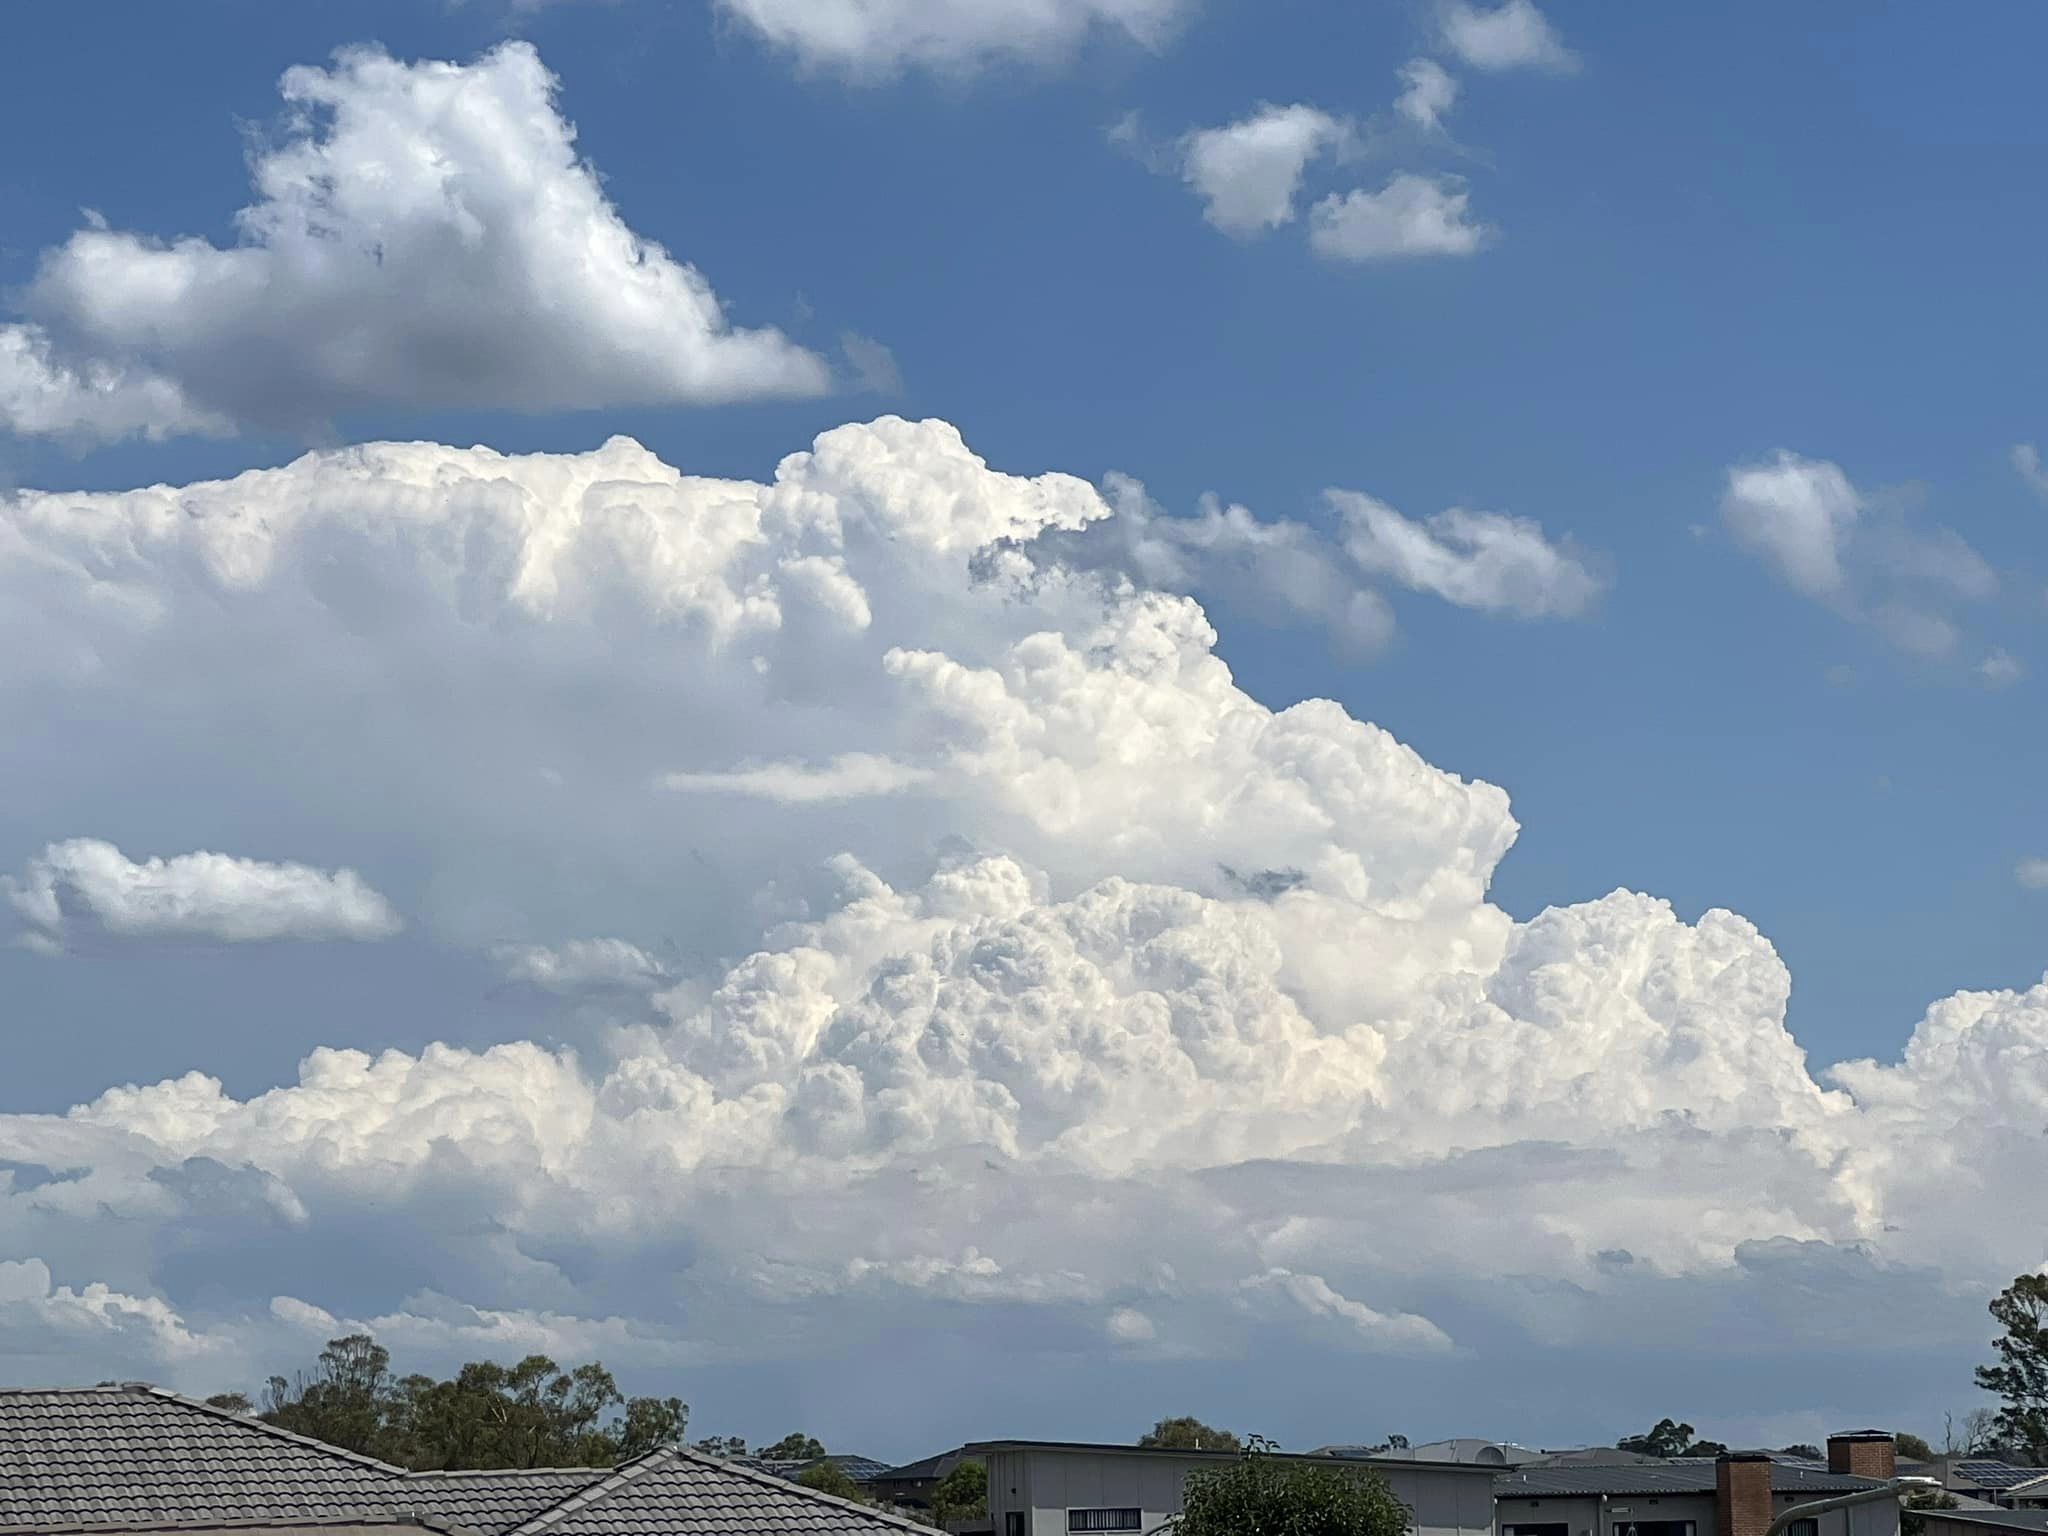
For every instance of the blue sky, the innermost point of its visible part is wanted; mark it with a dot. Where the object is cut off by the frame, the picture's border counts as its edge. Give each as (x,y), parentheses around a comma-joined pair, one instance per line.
(1705,238)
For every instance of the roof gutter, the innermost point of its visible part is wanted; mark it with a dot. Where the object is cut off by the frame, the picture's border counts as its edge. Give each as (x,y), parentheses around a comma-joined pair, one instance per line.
(1892,1489)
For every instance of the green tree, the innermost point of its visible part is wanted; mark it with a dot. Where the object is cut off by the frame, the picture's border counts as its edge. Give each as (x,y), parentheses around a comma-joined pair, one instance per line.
(1911,1447)
(1802,1450)
(1667,1438)
(231,1402)
(2021,1375)
(1261,1495)
(830,1477)
(722,1446)
(962,1494)
(1912,1523)
(1188,1434)
(532,1414)
(793,1447)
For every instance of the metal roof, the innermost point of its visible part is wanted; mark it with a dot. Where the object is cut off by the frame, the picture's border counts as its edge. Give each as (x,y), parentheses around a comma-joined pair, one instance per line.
(1693,1475)
(1998,1519)
(136,1458)
(1997,1474)
(979,1448)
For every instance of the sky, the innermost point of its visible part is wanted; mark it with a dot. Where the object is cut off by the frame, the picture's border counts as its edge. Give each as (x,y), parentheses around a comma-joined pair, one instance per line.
(1324,714)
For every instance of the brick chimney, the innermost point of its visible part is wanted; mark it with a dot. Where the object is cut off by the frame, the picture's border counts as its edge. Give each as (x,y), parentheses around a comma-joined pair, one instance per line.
(1863,1453)
(1742,1493)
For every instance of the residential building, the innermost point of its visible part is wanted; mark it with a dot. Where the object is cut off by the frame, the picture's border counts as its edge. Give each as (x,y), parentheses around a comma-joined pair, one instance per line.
(1986,1522)
(913,1484)
(1998,1482)
(137,1459)
(1052,1488)
(1734,1495)
(1493,1453)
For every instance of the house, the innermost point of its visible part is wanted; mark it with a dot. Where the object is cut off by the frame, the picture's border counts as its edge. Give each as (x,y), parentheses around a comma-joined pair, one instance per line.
(1494,1453)
(1051,1488)
(1986,1522)
(141,1460)
(913,1484)
(1998,1482)
(1733,1495)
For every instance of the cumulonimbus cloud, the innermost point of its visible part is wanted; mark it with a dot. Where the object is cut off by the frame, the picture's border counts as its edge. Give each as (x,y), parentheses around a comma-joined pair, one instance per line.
(1124,951)
(484,268)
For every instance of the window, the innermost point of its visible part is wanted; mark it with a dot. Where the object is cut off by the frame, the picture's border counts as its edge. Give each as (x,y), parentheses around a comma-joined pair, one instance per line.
(1803,1528)
(1105,1519)
(1547,1528)
(1013,1522)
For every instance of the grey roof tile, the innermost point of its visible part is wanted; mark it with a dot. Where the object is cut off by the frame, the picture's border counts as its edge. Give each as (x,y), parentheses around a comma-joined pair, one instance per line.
(142,1459)
(680,1493)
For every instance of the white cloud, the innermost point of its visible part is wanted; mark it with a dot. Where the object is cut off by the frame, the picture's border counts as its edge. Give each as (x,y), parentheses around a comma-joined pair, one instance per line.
(1481,560)
(1428,91)
(193,896)
(38,1315)
(2000,669)
(1514,35)
(1141,955)
(1127,1325)
(1796,513)
(2026,459)
(482,268)
(2033,874)
(583,965)
(1248,173)
(1280,571)
(876,39)
(1315,1296)
(1410,216)
(849,776)
(1823,536)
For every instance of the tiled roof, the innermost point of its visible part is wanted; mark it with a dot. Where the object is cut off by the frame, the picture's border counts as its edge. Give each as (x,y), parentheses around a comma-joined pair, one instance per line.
(137,1458)
(1694,1475)
(495,1500)
(680,1493)
(115,1455)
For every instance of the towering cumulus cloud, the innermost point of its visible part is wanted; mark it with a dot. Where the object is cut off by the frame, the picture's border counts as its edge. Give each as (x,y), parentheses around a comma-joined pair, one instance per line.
(1018,970)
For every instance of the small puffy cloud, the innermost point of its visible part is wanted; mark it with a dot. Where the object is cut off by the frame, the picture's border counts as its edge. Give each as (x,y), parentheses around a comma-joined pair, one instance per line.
(2000,669)
(206,896)
(1796,513)
(870,40)
(1826,539)
(874,365)
(2032,873)
(1279,570)
(1410,216)
(1127,1325)
(1515,35)
(483,268)
(583,965)
(1483,560)
(1248,173)
(2026,459)
(1428,91)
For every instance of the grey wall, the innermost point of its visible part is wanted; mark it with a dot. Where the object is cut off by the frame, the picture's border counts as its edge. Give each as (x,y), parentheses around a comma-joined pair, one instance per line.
(1585,1516)
(1045,1484)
